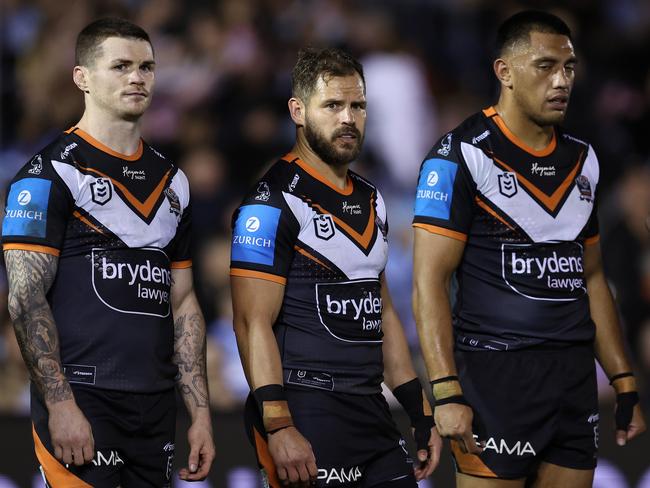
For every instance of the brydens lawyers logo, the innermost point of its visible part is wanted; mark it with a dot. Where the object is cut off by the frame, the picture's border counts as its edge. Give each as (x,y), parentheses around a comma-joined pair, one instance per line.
(101,191)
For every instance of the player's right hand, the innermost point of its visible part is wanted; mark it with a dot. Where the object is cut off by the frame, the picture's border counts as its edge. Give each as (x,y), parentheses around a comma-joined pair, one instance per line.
(629,427)
(293,457)
(454,421)
(71,434)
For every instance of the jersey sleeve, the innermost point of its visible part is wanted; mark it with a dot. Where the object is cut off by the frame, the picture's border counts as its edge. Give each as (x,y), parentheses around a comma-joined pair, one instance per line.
(444,199)
(181,246)
(181,256)
(264,233)
(37,208)
(591,231)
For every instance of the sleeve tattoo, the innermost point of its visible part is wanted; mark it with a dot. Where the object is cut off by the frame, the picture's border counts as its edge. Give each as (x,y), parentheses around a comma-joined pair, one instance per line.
(30,276)
(189,356)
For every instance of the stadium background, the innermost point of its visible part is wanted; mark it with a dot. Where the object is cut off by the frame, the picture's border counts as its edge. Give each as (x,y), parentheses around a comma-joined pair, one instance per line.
(219,110)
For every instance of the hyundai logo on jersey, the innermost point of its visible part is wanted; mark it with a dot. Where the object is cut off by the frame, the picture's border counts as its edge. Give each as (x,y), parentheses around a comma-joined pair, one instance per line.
(435,188)
(26,212)
(253,239)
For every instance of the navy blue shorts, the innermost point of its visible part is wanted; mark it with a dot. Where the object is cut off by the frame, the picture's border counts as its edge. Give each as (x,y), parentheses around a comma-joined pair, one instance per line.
(354,438)
(134,440)
(535,405)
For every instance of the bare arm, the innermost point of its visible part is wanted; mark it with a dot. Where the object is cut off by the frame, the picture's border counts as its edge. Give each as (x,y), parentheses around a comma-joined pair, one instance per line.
(256,304)
(191,381)
(436,258)
(30,276)
(189,344)
(609,348)
(398,370)
(398,367)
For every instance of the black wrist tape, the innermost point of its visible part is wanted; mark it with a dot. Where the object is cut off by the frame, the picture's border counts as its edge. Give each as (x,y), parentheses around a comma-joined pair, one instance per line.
(459,399)
(625,403)
(272,403)
(269,393)
(409,395)
(443,380)
(619,376)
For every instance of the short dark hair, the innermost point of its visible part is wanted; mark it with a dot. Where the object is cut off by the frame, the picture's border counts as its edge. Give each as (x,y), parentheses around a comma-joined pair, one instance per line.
(329,62)
(519,26)
(91,37)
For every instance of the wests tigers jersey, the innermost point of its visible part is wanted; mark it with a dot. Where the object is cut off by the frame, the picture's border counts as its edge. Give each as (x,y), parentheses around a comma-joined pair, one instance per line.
(328,247)
(525,216)
(118,225)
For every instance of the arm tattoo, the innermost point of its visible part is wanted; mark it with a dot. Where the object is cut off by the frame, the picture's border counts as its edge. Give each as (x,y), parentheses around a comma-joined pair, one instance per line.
(189,356)
(30,276)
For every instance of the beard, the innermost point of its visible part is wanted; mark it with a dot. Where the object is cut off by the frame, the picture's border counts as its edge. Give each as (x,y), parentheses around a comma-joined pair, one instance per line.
(327,150)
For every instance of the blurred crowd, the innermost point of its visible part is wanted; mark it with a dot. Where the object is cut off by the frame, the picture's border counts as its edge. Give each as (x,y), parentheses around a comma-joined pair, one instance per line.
(219,111)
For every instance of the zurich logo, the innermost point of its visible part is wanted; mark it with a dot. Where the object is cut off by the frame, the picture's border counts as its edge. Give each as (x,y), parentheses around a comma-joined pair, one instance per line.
(253,224)
(432,179)
(24,197)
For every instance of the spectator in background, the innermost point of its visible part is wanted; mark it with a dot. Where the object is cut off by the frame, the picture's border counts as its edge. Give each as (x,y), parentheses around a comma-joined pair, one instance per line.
(626,246)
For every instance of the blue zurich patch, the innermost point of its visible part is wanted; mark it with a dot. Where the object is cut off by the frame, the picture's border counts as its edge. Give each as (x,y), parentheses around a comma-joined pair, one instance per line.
(435,188)
(253,238)
(26,212)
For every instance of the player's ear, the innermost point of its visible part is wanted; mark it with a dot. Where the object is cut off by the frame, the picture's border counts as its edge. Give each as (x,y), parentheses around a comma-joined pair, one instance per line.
(80,78)
(297,111)
(503,72)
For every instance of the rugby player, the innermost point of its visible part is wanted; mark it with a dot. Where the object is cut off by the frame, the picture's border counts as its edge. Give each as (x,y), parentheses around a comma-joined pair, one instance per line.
(507,202)
(96,244)
(315,325)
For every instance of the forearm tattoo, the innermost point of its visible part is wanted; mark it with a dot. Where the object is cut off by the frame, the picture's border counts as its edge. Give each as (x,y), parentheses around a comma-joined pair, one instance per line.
(30,276)
(189,356)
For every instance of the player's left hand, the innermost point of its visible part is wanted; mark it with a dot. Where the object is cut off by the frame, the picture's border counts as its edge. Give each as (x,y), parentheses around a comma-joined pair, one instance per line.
(635,427)
(428,458)
(202,452)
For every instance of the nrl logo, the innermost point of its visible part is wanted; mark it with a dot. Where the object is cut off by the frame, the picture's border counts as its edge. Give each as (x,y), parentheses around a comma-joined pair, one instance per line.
(101,191)
(508,184)
(324,226)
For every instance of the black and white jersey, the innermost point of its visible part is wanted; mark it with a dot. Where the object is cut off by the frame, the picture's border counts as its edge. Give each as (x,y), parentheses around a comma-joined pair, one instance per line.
(328,247)
(118,225)
(525,216)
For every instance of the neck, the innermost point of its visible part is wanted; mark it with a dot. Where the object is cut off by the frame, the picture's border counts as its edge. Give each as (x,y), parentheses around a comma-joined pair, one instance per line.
(337,175)
(534,135)
(121,136)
